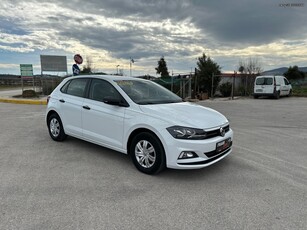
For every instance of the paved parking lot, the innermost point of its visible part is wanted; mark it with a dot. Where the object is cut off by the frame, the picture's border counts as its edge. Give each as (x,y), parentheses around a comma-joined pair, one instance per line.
(78,185)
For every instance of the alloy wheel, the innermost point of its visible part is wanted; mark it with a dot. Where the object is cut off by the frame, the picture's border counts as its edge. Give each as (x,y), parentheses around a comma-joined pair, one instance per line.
(145,153)
(55,127)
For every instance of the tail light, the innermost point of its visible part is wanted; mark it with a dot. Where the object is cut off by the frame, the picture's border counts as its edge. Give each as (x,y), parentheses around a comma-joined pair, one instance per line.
(48,98)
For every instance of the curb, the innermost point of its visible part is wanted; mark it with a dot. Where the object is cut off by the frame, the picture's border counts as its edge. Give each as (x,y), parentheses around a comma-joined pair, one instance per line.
(23,101)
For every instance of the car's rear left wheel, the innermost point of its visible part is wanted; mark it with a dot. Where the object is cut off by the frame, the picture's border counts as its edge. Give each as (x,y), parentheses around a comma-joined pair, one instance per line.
(147,153)
(55,128)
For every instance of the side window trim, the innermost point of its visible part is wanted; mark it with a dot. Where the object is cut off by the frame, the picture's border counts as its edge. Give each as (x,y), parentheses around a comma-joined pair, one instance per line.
(65,86)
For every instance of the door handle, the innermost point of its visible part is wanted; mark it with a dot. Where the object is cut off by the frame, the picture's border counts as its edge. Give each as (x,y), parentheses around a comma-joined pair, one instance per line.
(62,101)
(86,107)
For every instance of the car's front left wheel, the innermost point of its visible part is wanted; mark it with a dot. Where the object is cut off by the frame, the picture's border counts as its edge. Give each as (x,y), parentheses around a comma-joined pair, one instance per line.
(147,153)
(55,128)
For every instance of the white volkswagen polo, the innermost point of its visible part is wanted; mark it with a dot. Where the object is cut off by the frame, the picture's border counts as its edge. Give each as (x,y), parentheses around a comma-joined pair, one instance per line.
(140,118)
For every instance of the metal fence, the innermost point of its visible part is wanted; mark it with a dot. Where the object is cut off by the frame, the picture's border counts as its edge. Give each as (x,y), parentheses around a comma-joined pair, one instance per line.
(44,85)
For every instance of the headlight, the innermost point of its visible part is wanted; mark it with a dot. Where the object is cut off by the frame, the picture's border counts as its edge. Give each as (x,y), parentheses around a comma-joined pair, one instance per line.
(180,132)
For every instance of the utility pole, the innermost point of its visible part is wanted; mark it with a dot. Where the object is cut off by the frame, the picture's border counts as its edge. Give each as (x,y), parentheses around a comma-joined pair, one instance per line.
(131,61)
(117,69)
(212,86)
(233,84)
(172,81)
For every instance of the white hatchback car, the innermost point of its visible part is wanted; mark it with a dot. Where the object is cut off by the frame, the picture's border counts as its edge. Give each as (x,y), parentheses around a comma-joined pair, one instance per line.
(140,118)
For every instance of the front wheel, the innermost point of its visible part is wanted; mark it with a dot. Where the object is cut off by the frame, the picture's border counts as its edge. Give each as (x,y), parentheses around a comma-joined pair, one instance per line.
(147,153)
(290,93)
(55,127)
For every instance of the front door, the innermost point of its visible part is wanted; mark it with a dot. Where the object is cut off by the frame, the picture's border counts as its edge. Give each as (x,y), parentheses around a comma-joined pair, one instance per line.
(103,123)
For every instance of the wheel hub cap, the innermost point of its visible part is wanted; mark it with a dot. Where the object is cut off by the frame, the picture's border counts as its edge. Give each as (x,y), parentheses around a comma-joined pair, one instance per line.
(145,154)
(54,127)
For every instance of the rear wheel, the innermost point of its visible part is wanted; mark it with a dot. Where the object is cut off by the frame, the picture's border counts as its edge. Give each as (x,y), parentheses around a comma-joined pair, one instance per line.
(147,153)
(55,127)
(256,96)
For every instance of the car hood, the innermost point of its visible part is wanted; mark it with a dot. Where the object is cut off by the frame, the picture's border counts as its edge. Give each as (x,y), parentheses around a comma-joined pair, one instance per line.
(186,114)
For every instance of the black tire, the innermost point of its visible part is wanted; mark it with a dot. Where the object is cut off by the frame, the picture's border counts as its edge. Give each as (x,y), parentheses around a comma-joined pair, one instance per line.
(153,160)
(290,93)
(256,96)
(55,128)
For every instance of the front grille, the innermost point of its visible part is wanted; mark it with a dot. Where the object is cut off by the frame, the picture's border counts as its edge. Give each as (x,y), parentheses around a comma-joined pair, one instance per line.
(216,132)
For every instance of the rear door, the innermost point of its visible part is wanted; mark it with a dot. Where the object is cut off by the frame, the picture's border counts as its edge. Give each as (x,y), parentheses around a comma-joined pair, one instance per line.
(268,86)
(71,100)
(259,82)
(264,85)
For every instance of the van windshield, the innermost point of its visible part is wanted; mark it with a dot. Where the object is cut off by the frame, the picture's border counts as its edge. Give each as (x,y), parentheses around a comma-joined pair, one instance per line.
(264,81)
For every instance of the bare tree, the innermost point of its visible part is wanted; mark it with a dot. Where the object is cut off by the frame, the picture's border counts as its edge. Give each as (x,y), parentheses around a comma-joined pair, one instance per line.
(88,67)
(250,68)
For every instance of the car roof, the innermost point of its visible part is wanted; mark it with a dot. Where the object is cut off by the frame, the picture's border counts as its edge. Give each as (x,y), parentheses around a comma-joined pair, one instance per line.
(269,76)
(107,77)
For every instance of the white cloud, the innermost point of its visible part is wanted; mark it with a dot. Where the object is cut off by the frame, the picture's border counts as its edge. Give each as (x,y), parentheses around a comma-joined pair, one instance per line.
(181,32)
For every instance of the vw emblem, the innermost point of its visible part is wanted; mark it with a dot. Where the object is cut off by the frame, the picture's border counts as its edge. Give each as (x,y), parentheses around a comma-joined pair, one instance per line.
(222,132)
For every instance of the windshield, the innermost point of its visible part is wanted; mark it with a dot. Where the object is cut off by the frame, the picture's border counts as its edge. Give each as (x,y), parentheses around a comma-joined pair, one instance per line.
(264,81)
(147,92)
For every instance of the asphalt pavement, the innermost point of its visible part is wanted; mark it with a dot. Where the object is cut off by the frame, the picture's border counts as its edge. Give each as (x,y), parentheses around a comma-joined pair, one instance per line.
(77,185)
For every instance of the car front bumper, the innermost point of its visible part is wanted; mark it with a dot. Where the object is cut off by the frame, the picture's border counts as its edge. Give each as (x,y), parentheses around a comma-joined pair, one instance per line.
(204,149)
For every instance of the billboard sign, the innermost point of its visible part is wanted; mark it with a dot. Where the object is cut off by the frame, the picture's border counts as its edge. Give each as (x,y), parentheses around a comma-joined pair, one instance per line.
(53,63)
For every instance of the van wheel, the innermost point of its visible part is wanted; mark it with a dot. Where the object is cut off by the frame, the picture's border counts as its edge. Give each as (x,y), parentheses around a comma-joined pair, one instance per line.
(277,95)
(290,93)
(256,96)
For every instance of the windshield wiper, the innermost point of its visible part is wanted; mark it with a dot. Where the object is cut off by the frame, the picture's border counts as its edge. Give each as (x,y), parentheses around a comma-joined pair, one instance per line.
(147,103)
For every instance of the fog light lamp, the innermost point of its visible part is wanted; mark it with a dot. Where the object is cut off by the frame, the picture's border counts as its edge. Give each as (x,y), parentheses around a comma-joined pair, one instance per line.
(187,154)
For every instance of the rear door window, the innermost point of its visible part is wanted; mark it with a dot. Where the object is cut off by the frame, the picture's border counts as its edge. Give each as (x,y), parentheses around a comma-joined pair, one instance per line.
(77,87)
(264,81)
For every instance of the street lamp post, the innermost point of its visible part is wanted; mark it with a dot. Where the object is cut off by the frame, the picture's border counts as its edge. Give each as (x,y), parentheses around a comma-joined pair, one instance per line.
(117,69)
(131,62)
(212,86)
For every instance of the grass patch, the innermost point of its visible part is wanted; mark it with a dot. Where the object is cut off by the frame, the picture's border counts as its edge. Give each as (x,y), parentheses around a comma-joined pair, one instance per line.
(300,91)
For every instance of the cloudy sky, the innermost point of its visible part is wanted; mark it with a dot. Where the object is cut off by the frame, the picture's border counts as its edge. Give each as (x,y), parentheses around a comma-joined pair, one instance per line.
(109,32)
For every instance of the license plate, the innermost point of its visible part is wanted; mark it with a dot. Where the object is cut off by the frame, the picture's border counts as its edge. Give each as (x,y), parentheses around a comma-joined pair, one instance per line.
(258,90)
(222,145)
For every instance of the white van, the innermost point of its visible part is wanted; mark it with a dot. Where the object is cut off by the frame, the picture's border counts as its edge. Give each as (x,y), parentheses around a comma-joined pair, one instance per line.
(273,86)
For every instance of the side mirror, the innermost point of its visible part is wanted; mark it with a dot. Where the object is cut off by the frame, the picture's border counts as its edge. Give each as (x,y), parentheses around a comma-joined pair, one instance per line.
(115,101)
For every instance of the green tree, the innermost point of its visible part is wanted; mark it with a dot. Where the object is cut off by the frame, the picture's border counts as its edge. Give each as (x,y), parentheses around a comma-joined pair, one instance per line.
(162,68)
(206,68)
(294,73)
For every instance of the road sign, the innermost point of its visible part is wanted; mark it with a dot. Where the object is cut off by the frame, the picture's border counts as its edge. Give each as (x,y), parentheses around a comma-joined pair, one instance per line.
(26,70)
(78,59)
